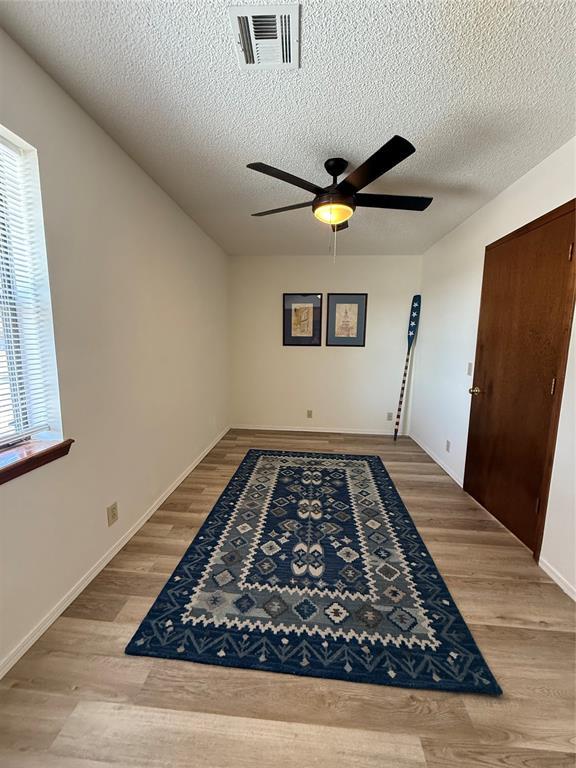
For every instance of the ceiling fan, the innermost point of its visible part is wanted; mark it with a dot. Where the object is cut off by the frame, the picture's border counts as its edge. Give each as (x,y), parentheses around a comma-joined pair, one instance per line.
(336,203)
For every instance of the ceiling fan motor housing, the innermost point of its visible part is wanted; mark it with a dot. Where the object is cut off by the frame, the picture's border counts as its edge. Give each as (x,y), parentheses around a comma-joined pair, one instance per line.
(333,198)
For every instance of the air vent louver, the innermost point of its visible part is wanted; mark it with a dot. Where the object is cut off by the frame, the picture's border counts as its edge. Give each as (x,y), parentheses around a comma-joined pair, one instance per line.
(266,37)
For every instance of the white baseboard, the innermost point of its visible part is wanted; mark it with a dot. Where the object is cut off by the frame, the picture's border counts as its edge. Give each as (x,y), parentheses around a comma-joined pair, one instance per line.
(449,471)
(343,430)
(556,576)
(16,653)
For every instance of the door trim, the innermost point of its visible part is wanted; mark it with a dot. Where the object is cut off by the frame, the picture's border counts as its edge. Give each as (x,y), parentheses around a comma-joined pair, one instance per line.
(565,330)
(562,210)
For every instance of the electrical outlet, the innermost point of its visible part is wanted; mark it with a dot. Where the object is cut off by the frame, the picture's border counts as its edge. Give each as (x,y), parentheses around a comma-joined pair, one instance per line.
(389,416)
(112,513)
(447,446)
(469,369)
(308,414)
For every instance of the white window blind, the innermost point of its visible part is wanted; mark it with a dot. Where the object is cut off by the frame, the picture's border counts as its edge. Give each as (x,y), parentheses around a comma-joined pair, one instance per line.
(29,402)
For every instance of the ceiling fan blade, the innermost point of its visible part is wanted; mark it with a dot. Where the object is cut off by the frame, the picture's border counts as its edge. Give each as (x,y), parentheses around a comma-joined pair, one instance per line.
(285,208)
(399,202)
(269,170)
(392,153)
(339,227)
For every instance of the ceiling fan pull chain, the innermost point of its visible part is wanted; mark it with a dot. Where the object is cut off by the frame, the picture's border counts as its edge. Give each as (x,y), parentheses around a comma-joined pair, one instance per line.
(334,246)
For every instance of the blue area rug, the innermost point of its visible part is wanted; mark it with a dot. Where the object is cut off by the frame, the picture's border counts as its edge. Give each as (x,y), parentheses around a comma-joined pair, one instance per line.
(310,564)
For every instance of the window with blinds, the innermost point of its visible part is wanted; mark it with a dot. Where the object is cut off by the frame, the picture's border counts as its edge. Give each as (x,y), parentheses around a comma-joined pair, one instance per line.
(29,403)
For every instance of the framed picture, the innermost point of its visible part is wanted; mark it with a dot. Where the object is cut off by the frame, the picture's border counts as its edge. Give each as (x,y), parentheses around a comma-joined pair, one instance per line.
(302,319)
(346,324)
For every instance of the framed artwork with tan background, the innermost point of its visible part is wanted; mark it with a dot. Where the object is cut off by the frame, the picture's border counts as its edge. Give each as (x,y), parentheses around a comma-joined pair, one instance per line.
(346,321)
(302,319)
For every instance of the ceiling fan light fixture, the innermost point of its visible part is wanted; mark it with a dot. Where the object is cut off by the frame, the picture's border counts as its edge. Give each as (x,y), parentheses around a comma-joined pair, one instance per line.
(331,209)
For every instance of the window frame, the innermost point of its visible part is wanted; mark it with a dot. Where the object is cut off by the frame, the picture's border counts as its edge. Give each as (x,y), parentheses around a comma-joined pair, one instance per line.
(39,446)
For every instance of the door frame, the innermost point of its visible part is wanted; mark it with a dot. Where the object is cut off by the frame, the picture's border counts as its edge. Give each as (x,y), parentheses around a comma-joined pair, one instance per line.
(565,330)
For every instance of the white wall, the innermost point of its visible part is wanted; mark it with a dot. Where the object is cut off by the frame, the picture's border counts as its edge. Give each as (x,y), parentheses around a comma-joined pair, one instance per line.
(451,285)
(140,316)
(348,389)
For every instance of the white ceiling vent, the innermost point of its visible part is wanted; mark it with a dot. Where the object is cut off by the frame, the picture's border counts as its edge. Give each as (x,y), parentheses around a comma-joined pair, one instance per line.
(266,37)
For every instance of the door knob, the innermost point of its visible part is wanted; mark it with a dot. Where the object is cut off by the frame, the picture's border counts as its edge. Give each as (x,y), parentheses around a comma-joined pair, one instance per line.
(474,390)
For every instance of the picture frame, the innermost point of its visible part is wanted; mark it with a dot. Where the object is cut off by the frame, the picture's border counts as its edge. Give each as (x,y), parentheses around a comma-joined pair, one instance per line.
(302,319)
(346,320)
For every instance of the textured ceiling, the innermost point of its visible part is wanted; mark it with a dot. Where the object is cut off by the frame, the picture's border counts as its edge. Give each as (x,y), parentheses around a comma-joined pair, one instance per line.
(483,88)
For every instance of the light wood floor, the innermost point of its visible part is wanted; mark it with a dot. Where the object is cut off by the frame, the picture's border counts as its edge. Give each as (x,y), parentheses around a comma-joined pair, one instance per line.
(76,701)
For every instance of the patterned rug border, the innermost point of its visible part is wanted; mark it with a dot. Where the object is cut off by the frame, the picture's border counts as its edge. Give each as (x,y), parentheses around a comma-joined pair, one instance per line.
(200,547)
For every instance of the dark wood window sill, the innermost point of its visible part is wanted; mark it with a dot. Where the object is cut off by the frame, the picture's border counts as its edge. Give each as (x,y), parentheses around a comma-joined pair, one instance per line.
(23,458)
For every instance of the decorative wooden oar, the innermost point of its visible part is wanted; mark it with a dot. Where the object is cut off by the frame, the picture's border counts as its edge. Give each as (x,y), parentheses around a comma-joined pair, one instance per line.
(412,331)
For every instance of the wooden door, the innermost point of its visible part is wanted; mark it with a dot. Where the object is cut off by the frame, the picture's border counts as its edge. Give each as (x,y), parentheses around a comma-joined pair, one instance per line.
(523,336)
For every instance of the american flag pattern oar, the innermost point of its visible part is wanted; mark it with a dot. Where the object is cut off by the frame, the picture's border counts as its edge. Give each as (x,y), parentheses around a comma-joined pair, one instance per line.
(412,331)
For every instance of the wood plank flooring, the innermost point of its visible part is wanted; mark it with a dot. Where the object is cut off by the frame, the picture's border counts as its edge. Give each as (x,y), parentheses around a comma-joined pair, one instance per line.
(76,701)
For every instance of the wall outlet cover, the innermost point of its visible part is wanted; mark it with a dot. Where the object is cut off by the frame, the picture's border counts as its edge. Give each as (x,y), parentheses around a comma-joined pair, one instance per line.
(308,414)
(112,513)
